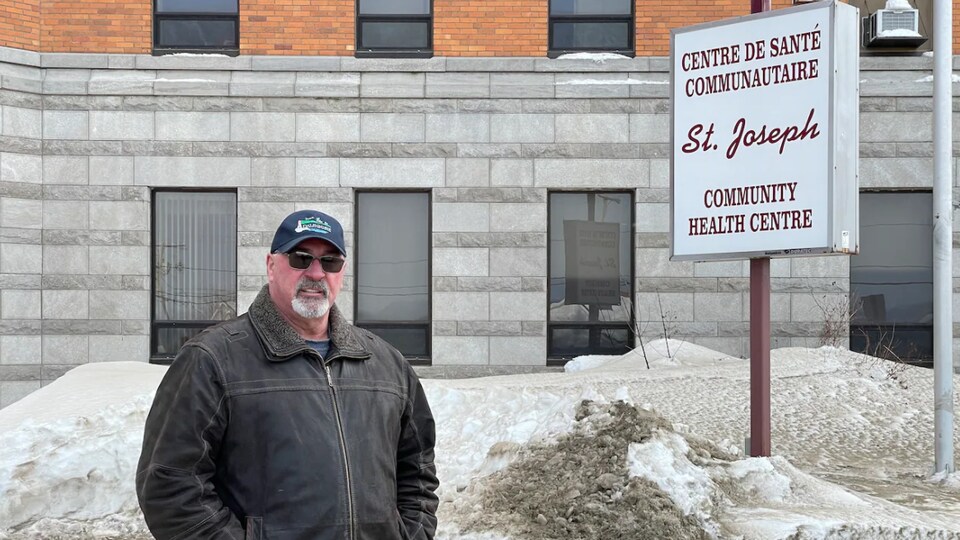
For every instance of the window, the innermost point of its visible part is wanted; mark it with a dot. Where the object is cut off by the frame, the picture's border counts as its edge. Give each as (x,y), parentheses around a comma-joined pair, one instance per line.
(393,269)
(591,26)
(194,266)
(196,25)
(590,274)
(394,28)
(891,280)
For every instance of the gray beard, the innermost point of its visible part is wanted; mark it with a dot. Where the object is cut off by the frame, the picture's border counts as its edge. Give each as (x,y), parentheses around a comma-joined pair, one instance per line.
(310,308)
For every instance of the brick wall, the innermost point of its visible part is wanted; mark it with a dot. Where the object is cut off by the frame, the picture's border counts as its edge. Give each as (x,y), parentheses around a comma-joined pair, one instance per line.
(105,26)
(956,25)
(326,27)
(490,28)
(297,27)
(20,24)
(655,19)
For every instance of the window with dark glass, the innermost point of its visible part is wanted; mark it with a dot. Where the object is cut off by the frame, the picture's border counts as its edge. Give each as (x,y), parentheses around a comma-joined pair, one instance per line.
(591,26)
(196,25)
(891,280)
(194,266)
(394,28)
(393,269)
(590,274)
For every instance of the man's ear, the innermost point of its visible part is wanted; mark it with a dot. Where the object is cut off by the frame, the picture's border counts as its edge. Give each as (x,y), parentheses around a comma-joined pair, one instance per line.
(271,262)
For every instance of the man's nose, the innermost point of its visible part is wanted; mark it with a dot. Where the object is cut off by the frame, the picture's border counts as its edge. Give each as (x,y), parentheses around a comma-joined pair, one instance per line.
(315,269)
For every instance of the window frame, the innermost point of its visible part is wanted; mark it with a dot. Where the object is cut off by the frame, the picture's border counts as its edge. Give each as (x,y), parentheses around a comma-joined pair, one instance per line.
(427,325)
(399,52)
(631,20)
(158,17)
(859,331)
(628,325)
(155,325)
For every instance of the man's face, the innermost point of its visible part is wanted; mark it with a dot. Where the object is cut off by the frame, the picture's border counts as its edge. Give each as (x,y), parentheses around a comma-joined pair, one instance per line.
(302,295)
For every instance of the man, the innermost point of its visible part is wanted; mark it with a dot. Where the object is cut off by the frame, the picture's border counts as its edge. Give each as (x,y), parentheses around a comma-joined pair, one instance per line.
(288,422)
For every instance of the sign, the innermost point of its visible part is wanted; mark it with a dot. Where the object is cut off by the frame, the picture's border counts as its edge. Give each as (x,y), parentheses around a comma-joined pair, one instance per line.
(592,252)
(765,135)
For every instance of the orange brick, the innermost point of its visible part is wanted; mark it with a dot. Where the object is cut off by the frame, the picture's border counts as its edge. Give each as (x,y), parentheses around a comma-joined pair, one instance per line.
(327,27)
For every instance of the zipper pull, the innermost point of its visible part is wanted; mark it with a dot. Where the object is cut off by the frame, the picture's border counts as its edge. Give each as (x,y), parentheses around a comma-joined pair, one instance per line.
(326,368)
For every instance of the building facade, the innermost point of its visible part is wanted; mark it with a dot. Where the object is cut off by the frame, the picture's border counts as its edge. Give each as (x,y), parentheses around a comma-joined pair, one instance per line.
(140,188)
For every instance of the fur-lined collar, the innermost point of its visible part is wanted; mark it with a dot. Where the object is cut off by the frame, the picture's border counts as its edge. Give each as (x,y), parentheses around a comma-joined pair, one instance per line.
(282,341)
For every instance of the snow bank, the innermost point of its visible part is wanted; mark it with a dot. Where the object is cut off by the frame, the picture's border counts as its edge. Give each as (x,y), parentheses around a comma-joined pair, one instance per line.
(68,452)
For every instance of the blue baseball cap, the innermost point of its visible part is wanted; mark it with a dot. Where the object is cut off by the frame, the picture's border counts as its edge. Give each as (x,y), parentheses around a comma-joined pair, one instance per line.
(305,224)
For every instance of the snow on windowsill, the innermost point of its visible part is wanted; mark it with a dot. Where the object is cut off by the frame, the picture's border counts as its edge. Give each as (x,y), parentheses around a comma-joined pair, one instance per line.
(221,55)
(608,81)
(929,78)
(186,80)
(596,57)
(899,32)
(898,4)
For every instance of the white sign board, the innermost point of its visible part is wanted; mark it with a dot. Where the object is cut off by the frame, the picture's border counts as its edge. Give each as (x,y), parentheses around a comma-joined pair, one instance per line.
(765,115)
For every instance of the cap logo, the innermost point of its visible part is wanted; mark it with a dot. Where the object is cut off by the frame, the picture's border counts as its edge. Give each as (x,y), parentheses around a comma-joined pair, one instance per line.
(313,224)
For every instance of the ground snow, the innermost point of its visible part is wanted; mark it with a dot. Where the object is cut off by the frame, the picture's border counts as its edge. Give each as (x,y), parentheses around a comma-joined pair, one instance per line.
(853,444)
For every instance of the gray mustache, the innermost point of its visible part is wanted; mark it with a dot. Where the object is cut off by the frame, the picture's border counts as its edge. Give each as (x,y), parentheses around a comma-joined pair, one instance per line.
(310,284)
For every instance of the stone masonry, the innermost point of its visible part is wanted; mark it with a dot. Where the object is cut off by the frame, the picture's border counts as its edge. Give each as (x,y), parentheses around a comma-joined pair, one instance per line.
(85,137)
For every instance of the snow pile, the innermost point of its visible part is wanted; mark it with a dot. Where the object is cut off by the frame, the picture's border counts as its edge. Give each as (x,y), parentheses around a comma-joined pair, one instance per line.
(578,486)
(662,353)
(564,455)
(68,452)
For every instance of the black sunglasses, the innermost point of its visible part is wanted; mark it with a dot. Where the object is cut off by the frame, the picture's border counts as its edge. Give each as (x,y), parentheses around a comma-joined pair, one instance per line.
(302,260)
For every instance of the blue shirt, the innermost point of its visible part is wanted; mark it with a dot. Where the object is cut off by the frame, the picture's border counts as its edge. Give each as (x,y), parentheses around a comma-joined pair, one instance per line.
(322,347)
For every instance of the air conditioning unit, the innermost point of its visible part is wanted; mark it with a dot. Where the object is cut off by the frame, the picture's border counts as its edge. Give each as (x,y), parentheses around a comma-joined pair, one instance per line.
(893,28)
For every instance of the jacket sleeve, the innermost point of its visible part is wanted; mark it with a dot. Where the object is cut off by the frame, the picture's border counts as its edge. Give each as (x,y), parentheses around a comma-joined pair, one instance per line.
(416,473)
(180,441)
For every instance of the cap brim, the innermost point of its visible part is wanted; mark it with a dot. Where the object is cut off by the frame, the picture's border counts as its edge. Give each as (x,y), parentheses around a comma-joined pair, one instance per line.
(284,248)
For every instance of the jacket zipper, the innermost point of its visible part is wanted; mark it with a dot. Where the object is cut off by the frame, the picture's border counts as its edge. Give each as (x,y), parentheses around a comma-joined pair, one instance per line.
(343,449)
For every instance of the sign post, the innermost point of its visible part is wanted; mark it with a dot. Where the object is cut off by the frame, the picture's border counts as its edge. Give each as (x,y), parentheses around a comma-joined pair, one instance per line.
(943,414)
(764,135)
(759,336)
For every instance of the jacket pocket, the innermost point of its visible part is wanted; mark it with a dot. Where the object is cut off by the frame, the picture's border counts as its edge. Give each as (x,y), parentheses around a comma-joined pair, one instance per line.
(254,528)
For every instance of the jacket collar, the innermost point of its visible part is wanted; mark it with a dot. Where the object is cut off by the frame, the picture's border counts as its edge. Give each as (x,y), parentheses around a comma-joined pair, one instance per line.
(282,341)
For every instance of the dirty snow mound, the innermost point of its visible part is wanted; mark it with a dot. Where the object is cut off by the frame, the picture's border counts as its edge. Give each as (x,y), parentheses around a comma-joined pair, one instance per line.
(581,486)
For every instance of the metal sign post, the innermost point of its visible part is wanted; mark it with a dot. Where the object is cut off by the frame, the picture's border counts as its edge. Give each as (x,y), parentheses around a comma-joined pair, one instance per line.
(760,357)
(759,336)
(943,415)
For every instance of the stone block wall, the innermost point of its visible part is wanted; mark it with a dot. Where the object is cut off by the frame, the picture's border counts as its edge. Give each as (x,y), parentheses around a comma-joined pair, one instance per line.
(85,138)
